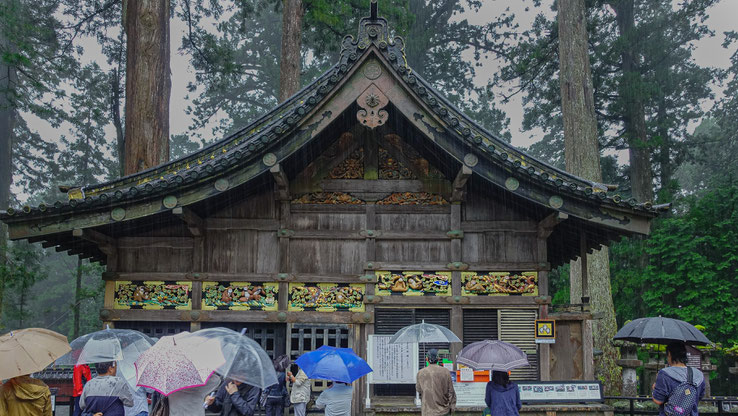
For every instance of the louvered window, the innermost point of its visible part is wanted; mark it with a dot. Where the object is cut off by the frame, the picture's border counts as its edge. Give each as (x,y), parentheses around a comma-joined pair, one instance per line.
(517,326)
(480,324)
(389,321)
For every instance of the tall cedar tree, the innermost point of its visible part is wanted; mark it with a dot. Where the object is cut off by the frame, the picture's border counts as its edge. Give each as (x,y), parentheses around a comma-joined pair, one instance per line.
(236,67)
(290,58)
(148,84)
(583,159)
(33,64)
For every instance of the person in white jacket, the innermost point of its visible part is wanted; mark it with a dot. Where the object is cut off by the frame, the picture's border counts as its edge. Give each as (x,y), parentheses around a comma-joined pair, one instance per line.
(300,394)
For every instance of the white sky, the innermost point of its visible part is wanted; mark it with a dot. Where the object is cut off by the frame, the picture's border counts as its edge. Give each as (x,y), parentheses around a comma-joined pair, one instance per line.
(708,52)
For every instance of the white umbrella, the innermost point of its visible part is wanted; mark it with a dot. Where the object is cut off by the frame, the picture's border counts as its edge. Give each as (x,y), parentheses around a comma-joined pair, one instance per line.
(492,355)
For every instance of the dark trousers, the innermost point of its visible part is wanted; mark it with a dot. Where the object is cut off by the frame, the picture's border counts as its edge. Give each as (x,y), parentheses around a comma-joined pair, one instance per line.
(77,410)
(274,407)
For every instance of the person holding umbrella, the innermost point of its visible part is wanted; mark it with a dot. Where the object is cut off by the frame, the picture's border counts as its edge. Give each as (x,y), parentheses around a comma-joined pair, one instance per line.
(80,376)
(24,352)
(234,399)
(436,389)
(106,394)
(678,388)
(502,396)
(336,400)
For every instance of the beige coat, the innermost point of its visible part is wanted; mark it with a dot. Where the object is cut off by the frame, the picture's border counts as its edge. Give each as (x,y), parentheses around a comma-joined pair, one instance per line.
(436,391)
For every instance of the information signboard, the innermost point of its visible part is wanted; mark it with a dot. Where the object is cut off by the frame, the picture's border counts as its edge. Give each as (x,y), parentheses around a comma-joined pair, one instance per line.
(545,331)
(560,391)
(470,394)
(392,363)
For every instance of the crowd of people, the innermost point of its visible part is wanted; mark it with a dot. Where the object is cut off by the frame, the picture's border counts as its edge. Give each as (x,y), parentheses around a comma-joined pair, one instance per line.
(677,391)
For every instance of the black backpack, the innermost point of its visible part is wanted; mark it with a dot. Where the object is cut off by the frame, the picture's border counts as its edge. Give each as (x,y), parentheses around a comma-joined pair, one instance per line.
(683,398)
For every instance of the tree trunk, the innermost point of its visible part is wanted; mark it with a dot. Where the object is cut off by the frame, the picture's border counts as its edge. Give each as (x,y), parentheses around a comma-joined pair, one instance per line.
(8,78)
(77,298)
(666,163)
(636,134)
(117,122)
(290,60)
(581,151)
(148,84)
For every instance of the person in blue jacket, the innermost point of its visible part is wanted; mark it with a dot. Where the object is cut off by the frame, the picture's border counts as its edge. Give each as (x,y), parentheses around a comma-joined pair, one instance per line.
(502,396)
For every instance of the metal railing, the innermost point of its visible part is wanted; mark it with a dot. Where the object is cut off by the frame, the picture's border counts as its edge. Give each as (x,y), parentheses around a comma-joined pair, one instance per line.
(726,405)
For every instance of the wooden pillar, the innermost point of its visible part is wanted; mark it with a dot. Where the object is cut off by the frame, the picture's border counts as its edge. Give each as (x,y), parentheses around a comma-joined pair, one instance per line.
(282,198)
(364,330)
(457,313)
(585,274)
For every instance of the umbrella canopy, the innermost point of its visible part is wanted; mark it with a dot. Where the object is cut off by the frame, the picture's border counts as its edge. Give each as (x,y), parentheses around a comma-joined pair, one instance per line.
(331,363)
(245,360)
(661,331)
(492,355)
(178,362)
(423,332)
(29,350)
(106,345)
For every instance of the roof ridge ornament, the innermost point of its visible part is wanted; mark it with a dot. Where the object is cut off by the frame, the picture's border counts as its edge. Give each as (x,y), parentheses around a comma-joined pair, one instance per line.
(374,30)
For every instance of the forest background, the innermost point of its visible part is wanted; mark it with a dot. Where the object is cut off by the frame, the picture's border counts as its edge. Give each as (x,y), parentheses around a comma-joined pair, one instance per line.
(667,123)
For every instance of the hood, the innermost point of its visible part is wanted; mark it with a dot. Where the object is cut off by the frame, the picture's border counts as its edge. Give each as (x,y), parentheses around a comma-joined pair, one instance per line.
(680,374)
(510,386)
(27,388)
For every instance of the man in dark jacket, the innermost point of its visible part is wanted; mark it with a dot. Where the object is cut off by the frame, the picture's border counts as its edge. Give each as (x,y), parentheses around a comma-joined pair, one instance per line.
(234,399)
(106,393)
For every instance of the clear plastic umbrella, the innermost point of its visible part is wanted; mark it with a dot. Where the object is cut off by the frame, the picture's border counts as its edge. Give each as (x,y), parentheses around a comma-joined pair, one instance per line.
(245,360)
(107,345)
(423,333)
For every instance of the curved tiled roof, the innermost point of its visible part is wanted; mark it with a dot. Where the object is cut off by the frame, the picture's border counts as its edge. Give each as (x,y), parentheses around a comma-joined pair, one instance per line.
(249,144)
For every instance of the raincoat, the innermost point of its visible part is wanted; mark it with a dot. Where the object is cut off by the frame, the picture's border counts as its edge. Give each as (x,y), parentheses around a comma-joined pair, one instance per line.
(436,391)
(300,388)
(25,396)
(503,400)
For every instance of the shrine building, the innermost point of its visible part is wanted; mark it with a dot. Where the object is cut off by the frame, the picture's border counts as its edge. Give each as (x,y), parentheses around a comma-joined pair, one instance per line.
(364,203)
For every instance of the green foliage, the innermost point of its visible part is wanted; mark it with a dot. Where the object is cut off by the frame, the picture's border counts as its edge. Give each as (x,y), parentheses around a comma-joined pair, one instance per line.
(692,271)
(19,272)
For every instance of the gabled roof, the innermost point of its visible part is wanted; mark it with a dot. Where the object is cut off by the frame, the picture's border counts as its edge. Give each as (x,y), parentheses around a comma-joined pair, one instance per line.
(252,150)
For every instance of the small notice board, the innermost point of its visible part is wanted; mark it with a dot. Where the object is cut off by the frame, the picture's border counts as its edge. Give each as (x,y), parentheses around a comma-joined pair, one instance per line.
(560,391)
(545,331)
(392,363)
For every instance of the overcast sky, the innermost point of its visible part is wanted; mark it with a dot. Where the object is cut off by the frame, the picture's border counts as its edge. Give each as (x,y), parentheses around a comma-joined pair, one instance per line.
(708,52)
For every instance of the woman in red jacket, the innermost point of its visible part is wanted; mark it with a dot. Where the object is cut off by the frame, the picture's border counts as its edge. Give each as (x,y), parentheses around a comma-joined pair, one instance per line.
(80,376)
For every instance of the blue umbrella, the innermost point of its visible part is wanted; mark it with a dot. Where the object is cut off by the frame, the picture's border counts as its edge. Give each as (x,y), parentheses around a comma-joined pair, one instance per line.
(331,363)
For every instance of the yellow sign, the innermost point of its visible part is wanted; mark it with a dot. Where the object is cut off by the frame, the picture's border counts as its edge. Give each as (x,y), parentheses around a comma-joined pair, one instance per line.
(545,331)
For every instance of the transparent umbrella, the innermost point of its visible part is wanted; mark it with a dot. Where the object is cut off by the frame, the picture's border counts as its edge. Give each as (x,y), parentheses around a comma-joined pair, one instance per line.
(107,345)
(245,360)
(492,355)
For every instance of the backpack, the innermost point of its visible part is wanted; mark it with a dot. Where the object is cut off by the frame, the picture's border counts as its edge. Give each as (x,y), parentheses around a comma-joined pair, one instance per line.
(683,398)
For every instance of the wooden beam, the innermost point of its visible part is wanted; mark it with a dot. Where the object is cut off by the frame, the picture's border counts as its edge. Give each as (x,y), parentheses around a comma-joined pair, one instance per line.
(105,243)
(547,225)
(195,224)
(460,183)
(283,184)
(162,242)
(241,224)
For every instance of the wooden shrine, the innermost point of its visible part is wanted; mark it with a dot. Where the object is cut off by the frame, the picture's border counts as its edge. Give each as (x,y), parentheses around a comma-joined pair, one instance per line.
(363,203)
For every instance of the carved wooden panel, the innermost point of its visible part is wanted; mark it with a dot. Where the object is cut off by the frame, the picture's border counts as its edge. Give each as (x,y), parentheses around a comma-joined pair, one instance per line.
(412,283)
(499,283)
(326,297)
(239,296)
(371,103)
(152,295)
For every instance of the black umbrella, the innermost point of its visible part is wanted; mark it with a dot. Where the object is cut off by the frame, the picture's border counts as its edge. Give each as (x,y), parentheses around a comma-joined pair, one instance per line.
(661,331)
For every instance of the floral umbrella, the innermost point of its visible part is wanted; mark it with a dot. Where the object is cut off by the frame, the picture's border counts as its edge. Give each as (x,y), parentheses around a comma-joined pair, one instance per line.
(178,362)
